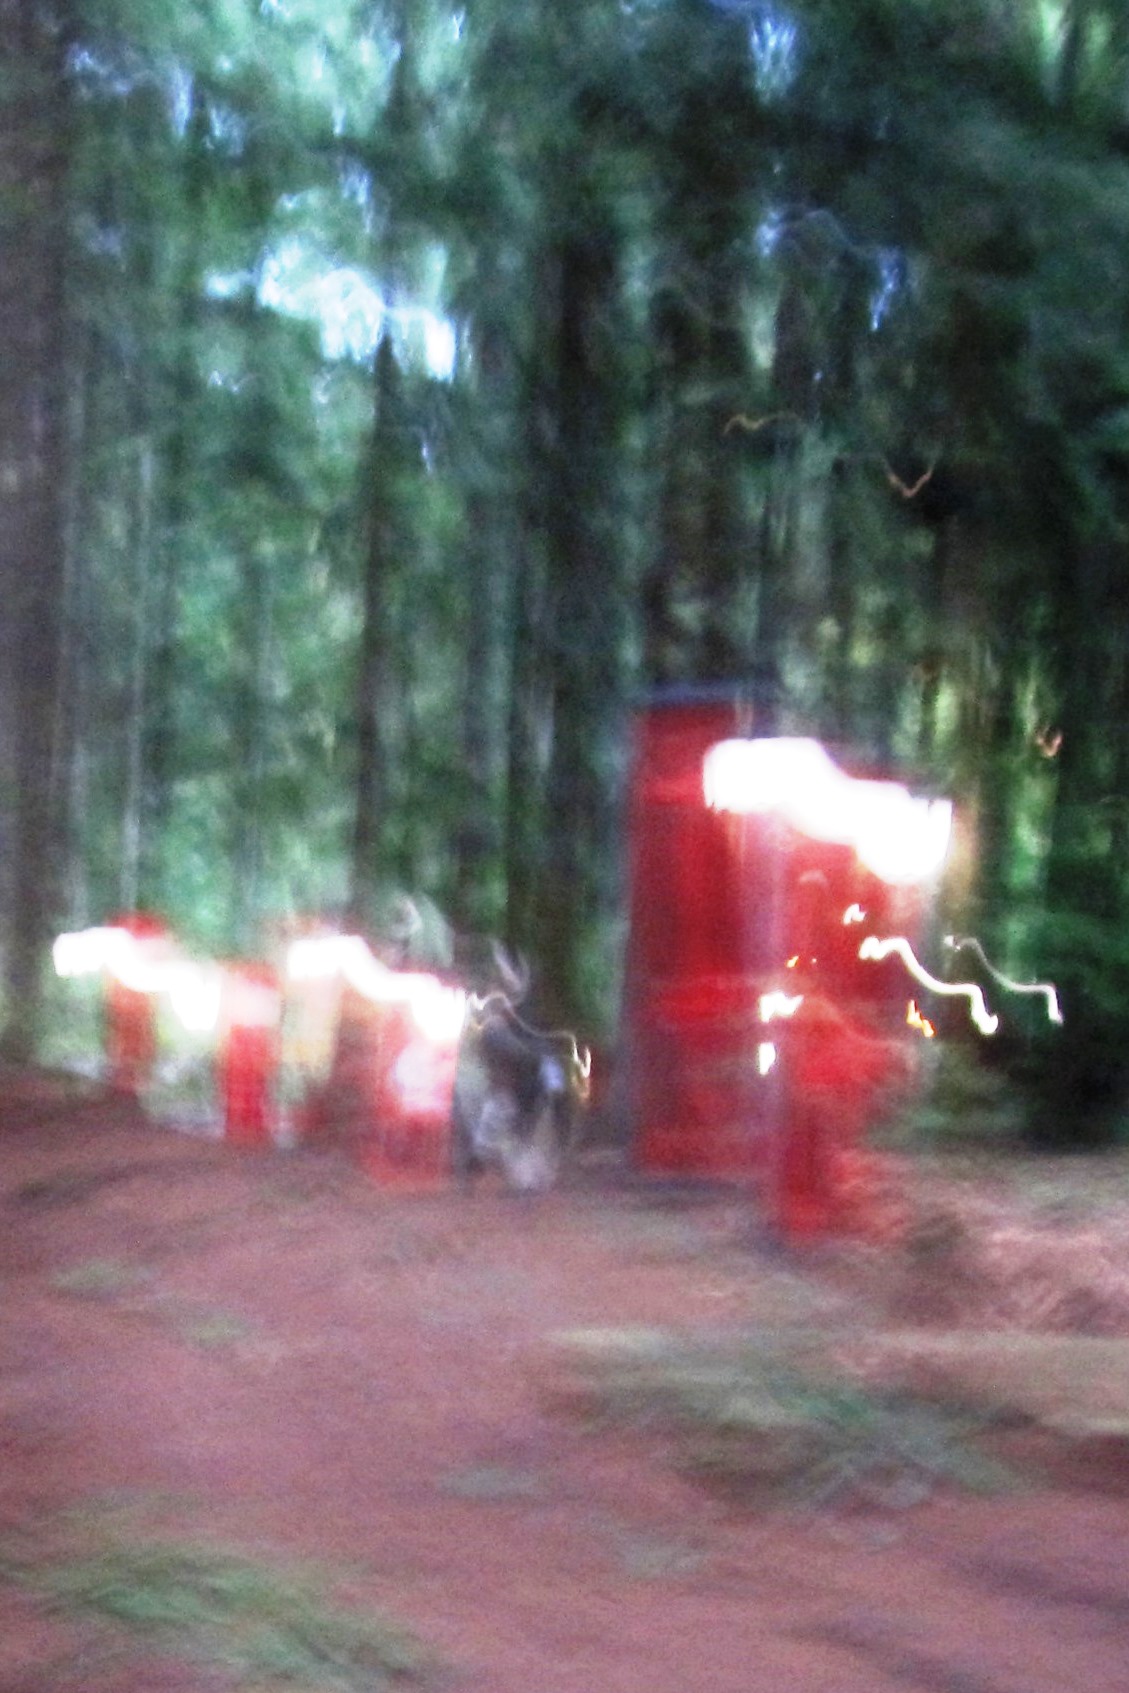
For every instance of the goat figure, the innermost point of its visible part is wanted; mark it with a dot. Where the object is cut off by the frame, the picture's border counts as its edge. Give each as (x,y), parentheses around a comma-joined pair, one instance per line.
(518,1092)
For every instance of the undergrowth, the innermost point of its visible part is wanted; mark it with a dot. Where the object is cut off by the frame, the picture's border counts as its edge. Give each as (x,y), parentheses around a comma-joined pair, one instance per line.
(748,1420)
(260,1625)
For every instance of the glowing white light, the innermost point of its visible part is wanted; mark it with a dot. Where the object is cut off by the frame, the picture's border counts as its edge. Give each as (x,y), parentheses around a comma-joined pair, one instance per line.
(438,1010)
(195,991)
(900,838)
(766,1057)
(85,952)
(968,943)
(873,948)
(439,346)
(144,965)
(854,914)
(779,1004)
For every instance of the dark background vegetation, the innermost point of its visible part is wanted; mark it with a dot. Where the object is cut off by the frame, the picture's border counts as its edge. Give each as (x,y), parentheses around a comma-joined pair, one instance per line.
(789,349)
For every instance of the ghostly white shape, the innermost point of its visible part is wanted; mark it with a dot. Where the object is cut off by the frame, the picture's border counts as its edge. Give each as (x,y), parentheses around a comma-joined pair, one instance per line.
(144,965)
(900,838)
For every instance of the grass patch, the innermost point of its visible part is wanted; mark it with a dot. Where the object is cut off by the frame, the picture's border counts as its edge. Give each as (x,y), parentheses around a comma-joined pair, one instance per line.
(212,1329)
(97,1278)
(752,1421)
(255,1622)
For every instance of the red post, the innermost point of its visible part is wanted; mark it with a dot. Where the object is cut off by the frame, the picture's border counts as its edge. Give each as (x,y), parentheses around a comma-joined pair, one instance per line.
(833,1070)
(414,1084)
(131,1016)
(250,1052)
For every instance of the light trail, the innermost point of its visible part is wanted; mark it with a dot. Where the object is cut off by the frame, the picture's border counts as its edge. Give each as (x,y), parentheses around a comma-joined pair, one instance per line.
(779,1004)
(968,943)
(901,838)
(874,949)
(144,965)
(439,1010)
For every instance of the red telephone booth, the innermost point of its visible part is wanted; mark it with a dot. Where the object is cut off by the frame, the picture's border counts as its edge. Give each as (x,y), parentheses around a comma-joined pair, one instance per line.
(754,1038)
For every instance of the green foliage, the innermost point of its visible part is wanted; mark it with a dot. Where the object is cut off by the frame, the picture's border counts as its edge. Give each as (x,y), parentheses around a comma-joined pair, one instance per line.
(254,1621)
(759,1422)
(786,344)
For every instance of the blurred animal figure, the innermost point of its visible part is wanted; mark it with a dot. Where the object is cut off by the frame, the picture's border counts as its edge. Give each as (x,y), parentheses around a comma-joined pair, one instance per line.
(518,1091)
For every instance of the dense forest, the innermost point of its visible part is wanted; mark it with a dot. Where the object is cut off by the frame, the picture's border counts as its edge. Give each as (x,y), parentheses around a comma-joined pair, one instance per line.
(391,393)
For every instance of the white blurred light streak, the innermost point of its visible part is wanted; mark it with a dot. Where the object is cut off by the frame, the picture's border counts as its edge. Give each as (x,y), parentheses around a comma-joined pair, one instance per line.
(143,966)
(779,1004)
(439,1010)
(853,914)
(902,839)
(874,949)
(766,1057)
(968,943)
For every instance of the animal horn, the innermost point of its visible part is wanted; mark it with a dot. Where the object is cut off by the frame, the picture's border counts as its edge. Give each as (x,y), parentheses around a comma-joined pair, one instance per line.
(515,975)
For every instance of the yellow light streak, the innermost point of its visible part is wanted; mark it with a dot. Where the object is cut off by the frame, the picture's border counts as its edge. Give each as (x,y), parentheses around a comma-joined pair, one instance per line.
(917,1021)
(874,949)
(968,943)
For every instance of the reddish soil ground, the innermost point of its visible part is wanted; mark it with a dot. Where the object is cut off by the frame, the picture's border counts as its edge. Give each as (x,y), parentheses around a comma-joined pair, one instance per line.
(268,1352)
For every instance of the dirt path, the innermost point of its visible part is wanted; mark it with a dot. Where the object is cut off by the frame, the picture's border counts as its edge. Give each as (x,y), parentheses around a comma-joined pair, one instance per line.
(269,1355)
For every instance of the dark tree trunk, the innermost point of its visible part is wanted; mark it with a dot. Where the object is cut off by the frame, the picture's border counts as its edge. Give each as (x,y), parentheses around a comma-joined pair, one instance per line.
(34,149)
(375,693)
(585,561)
(162,724)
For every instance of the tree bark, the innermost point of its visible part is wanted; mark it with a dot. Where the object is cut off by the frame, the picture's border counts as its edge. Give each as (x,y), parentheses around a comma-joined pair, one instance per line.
(34,156)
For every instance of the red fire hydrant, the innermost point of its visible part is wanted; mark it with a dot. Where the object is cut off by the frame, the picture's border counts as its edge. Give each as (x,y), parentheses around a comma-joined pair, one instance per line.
(130,1012)
(250,1052)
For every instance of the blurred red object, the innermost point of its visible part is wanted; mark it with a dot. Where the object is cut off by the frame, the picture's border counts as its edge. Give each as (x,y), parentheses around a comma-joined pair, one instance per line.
(413,1089)
(755,1043)
(130,1016)
(250,1053)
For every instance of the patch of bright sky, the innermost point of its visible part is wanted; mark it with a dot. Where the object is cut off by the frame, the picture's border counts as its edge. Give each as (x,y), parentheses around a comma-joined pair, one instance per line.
(773,43)
(889,262)
(346,304)
(891,278)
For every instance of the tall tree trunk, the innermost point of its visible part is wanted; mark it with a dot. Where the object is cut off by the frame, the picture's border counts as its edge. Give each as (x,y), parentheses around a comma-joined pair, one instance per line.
(162,725)
(587,619)
(34,148)
(133,788)
(375,693)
